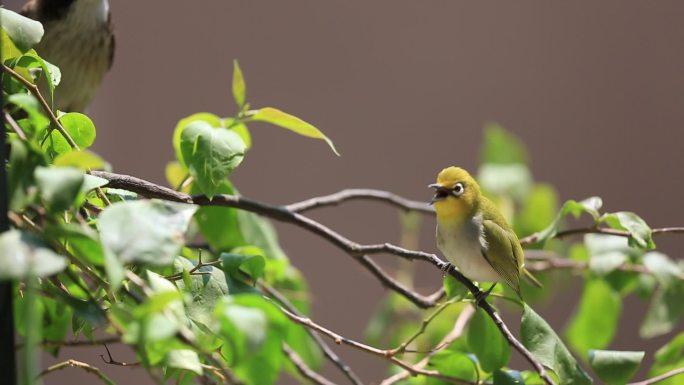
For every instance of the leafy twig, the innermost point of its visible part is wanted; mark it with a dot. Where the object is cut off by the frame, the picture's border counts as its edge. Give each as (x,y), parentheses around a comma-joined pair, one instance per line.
(352,248)
(385,354)
(423,326)
(111,361)
(184,334)
(33,89)
(77,364)
(327,351)
(456,332)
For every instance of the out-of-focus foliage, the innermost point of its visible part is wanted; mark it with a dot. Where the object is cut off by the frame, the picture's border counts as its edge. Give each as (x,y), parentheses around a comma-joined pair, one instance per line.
(180,284)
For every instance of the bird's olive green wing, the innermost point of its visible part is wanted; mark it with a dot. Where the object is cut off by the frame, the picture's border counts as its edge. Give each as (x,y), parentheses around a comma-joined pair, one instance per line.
(501,252)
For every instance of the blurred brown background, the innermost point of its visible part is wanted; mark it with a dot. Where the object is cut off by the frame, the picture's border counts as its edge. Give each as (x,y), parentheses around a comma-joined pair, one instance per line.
(595,90)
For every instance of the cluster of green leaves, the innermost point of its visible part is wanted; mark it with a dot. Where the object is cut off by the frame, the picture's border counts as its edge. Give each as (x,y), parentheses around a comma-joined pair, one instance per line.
(78,244)
(208,148)
(533,209)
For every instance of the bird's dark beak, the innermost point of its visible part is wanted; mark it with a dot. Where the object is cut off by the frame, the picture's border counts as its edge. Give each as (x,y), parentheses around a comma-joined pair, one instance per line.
(440,193)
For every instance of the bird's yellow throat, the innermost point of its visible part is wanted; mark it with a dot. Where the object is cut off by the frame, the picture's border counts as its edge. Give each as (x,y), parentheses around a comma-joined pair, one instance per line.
(451,211)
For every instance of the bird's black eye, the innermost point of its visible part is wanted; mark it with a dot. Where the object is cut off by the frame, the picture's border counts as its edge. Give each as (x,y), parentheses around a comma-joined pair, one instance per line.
(458,189)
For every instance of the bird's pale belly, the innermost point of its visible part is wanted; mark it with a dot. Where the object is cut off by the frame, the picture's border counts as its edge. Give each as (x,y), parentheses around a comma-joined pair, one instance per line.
(461,246)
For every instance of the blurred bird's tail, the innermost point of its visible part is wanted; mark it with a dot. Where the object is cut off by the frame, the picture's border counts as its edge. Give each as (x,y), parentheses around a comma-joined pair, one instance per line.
(531,278)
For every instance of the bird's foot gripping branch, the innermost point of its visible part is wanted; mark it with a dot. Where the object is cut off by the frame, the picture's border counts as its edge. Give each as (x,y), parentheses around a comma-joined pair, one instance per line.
(192,278)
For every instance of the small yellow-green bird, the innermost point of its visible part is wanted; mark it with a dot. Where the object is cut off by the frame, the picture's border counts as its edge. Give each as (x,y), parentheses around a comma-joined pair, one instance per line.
(473,234)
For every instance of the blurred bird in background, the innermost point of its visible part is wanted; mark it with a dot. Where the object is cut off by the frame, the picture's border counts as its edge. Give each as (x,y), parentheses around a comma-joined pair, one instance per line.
(79,39)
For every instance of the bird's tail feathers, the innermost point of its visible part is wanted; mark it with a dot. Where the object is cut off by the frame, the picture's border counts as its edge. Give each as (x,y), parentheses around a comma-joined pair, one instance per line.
(531,278)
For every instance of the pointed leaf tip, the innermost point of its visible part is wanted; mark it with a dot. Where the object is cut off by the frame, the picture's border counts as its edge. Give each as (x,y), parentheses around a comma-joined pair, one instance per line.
(292,123)
(239,88)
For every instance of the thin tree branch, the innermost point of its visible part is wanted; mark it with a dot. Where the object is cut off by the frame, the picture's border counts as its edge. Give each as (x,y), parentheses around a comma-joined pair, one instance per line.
(530,239)
(303,368)
(33,89)
(327,351)
(544,261)
(360,194)
(456,332)
(352,248)
(385,354)
(53,343)
(111,361)
(664,376)
(417,299)
(423,326)
(77,364)
(14,126)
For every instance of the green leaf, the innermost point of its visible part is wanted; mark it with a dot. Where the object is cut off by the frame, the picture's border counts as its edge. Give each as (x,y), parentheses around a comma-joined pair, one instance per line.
(240,129)
(260,232)
(548,348)
(24,32)
(159,317)
(23,255)
(145,231)
(509,377)
(505,179)
(664,268)
(501,147)
(602,264)
(184,359)
(590,206)
(91,182)
(226,228)
(220,225)
(36,123)
(665,310)
(667,358)
(255,329)
(79,127)
(205,290)
(59,186)
(83,160)
(486,341)
(453,288)
(290,122)
(615,367)
(211,154)
(79,240)
(51,73)
(639,232)
(207,117)
(672,352)
(8,49)
(591,329)
(538,211)
(453,364)
(250,264)
(248,258)
(238,85)
(608,252)
(24,158)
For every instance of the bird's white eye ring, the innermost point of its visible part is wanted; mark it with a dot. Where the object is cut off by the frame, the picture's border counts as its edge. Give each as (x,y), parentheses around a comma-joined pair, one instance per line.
(458,189)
